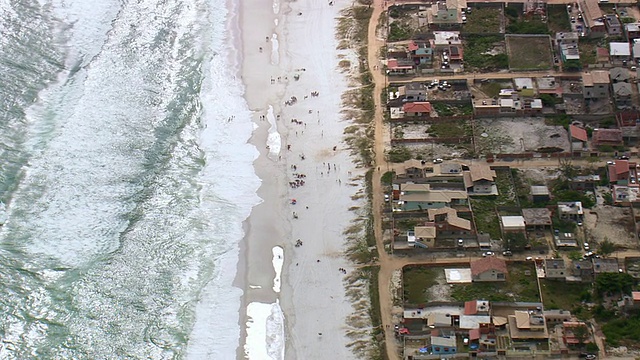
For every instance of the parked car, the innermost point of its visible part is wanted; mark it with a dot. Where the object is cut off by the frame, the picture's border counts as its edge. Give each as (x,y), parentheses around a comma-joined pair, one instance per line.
(507,253)
(586,246)
(437,161)
(488,253)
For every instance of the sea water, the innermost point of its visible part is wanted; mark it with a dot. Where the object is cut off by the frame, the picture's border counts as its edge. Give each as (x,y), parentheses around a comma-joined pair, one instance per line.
(126,176)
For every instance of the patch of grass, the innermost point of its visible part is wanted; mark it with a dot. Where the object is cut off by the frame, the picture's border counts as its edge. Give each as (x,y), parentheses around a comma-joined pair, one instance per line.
(558,18)
(563,295)
(484,20)
(449,129)
(530,53)
(480,53)
(485,216)
(492,88)
(623,331)
(587,52)
(518,287)
(452,110)
(506,190)
(399,30)
(416,281)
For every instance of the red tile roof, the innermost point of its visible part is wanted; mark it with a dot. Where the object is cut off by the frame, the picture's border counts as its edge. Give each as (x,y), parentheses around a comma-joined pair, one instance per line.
(474,334)
(489,263)
(413,46)
(607,135)
(635,295)
(622,166)
(471,307)
(578,133)
(417,107)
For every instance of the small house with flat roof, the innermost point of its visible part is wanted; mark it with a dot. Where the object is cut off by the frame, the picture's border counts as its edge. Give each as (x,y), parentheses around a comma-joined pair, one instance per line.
(555,269)
(537,218)
(570,210)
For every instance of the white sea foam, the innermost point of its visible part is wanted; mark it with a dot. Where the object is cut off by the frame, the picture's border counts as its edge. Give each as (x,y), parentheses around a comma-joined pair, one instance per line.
(275,56)
(274,140)
(278,261)
(276,7)
(265,332)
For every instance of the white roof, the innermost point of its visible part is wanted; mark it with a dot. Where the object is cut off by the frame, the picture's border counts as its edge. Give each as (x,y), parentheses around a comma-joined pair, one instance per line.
(443,341)
(536,104)
(506,103)
(469,322)
(636,49)
(523,83)
(633,27)
(512,222)
(619,49)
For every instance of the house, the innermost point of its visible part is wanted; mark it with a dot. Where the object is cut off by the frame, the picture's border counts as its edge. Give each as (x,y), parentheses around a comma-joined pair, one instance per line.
(567,43)
(536,218)
(570,211)
(444,39)
(625,195)
(571,337)
(636,51)
(632,31)
(584,182)
(477,307)
(549,85)
(606,137)
(424,236)
(417,109)
(421,197)
(578,138)
(555,269)
(619,52)
(524,86)
(582,270)
(489,268)
(512,224)
(613,25)
(421,52)
(540,193)
(480,180)
(565,240)
(595,84)
(400,67)
(628,122)
(622,172)
(621,85)
(527,325)
(443,345)
(593,19)
(422,169)
(414,91)
(447,222)
(635,299)
(556,316)
(605,265)
(445,13)
(602,55)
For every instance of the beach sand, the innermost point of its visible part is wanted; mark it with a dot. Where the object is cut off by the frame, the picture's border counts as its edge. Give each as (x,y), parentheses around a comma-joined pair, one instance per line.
(312,294)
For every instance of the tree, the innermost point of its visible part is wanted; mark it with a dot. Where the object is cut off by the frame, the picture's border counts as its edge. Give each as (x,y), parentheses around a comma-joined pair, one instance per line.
(387,178)
(606,247)
(581,333)
(614,283)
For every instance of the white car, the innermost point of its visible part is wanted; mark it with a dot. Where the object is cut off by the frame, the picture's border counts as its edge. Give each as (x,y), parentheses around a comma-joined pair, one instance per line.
(437,161)
(386,197)
(529,258)
(586,246)
(488,253)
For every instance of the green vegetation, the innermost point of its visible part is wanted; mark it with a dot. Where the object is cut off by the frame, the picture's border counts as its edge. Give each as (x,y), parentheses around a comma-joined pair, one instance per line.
(399,31)
(452,110)
(606,247)
(485,215)
(416,281)
(506,189)
(492,88)
(549,100)
(478,53)
(557,18)
(450,129)
(587,51)
(529,53)
(563,295)
(387,178)
(612,284)
(627,20)
(572,65)
(484,20)
(521,285)
(520,25)
(398,154)
(623,331)
(573,195)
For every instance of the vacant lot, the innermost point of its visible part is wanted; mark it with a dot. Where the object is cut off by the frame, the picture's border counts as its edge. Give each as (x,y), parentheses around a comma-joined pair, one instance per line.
(529,52)
(613,223)
(521,285)
(417,281)
(558,18)
(519,135)
(563,295)
(487,20)
(485,215)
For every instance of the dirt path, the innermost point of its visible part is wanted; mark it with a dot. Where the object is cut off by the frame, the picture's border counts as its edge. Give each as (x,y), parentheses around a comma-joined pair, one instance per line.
(387,265)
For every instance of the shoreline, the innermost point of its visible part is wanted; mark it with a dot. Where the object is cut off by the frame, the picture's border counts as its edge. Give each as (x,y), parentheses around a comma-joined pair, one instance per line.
(299,63)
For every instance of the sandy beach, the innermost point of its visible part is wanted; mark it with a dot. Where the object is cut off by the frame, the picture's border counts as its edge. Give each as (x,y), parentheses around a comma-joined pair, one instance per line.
(289,55)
